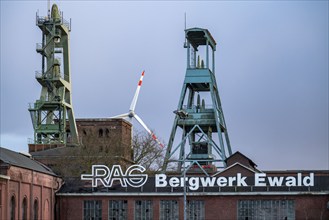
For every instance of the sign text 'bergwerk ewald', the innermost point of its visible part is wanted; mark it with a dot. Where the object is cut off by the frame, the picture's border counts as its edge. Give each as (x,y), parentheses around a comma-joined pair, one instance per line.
(135,177)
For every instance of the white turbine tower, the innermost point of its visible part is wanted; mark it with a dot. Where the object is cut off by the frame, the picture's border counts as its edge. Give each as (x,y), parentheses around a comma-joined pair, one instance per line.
(131,114)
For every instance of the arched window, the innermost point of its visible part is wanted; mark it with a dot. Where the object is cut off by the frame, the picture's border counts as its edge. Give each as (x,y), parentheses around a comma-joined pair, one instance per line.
(12,208)
(35,210)
(46,211)
(100,133)
(24,209)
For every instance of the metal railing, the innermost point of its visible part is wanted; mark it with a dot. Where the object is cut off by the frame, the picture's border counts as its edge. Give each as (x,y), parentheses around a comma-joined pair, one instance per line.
(31,105)
(66,23)
(42,19)
(196,109)
(39,46)
(38,74)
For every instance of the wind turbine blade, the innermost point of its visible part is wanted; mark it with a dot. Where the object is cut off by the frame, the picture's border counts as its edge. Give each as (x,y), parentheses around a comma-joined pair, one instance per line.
(134,101)
(124,116)
(148,130)
(142,123)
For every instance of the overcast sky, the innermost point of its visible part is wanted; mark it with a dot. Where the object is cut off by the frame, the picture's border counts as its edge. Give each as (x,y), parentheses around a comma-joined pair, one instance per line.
(271,69)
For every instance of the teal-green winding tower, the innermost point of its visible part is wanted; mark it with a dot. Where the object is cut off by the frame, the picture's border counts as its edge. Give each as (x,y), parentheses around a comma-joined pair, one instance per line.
(52,115)
(199,114)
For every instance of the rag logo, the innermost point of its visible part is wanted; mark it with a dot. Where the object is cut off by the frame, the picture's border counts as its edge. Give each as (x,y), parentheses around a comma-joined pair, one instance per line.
(101,173)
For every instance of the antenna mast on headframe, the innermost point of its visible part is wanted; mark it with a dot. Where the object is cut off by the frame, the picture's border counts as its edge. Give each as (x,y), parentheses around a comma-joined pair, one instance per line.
(48,8)
(184,21)
(185,42)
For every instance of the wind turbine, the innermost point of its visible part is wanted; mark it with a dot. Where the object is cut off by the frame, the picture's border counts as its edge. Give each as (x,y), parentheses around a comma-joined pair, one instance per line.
(131,114)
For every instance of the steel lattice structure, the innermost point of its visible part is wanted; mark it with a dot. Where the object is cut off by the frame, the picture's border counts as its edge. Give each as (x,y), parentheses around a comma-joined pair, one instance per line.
(51,113)
(199,122)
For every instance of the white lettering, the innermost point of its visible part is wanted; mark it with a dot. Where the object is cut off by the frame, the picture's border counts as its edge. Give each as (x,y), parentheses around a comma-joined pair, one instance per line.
(116,174)
(207,181)
(174,182)
(290,181)
(231,180)
(136,179)
(222,181)
(98,173)
(160,180)
(260,179)
(241,181)
(299,179)
(183,182)
(309,180)
(193,183)
(275,181)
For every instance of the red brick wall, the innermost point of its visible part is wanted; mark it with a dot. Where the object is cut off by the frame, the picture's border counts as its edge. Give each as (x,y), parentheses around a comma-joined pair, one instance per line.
(113,132)
(31,185)
(216,207)
(307,207)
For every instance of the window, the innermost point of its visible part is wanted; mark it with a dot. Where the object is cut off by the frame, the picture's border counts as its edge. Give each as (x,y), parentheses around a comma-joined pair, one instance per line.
(195,210)
(143,209)
(118,209)
(24,209)
(92,209)
(46,210)
(35,210)
(266,209)
(169,209)
(12,208)
(100,133)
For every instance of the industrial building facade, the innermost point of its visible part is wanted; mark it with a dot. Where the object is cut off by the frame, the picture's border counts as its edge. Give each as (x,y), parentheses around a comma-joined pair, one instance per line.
(30,190)
(27,187)
(240,191)
(208,206)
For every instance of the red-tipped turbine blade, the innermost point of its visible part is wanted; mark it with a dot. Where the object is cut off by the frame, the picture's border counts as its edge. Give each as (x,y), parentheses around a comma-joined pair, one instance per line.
(134,101)
(148,130)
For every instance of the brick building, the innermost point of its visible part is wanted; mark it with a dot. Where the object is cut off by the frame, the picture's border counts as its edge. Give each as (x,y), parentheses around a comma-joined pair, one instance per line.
(106,134)
(241,191)
(29,190)
(27,187)
(103,137)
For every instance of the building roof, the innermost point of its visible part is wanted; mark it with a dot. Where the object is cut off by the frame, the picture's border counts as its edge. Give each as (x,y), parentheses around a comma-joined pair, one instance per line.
(17,159)
(53,152)
(200,36)
(108,120)
(241,158)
